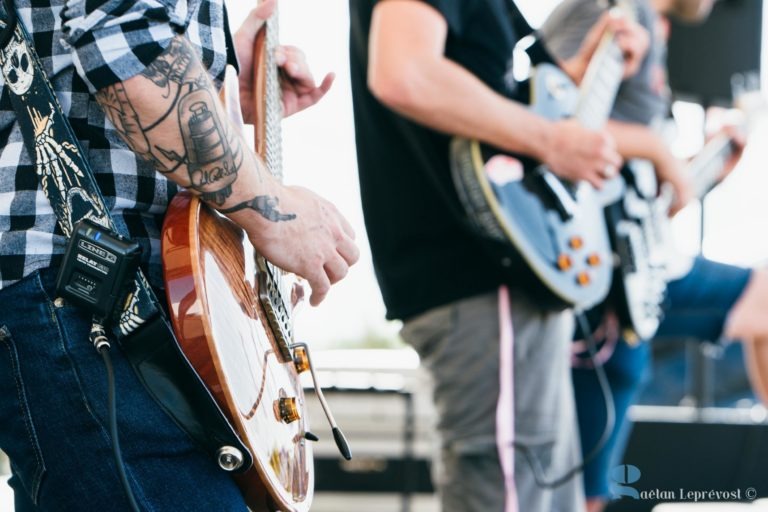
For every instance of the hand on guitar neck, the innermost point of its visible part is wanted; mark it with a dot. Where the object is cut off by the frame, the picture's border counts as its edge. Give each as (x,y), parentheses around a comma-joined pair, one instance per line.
(298,86)
(632,39)
(681,180)
(731,123)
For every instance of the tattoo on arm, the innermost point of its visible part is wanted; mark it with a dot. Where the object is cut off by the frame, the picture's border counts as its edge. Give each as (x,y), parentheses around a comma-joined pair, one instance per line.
(213,155)
(209,150)
(266,206)
(172,65)
(119,109)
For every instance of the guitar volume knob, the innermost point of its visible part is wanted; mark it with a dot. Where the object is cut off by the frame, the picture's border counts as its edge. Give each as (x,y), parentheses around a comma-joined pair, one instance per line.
(301,359)
(564,262)
(576,243)
(583,278)
(287,409)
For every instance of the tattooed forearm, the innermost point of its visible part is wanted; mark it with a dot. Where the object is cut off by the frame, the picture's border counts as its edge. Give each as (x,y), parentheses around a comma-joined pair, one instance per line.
(266,206)
(170,115)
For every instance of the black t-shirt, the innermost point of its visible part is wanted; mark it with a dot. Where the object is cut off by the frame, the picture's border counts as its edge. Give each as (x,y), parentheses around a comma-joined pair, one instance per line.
(423,254)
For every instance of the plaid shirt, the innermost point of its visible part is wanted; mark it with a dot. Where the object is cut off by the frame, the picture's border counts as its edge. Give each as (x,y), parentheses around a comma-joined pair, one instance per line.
(85,46)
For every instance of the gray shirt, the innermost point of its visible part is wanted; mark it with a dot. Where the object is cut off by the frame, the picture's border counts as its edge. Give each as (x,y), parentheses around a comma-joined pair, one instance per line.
(642,98)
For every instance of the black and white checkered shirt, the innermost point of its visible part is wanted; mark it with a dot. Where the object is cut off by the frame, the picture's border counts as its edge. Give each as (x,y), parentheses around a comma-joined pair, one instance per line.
(85,46)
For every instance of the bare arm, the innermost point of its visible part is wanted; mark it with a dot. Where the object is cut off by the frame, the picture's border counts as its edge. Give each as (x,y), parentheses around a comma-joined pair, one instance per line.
(170,115)
(409,73)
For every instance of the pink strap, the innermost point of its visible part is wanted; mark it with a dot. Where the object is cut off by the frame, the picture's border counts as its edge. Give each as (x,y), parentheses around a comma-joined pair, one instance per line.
(505,408)
(608,333)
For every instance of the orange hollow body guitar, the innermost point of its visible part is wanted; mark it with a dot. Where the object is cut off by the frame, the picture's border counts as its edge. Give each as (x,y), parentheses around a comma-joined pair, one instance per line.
(231,310)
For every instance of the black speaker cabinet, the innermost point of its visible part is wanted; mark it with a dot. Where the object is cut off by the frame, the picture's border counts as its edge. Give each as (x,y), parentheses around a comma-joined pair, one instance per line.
(680,454)
(704,57)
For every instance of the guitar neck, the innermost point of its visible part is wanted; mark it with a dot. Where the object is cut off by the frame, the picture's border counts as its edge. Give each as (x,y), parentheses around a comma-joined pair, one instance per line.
(706,167)
(600,84)
(268,115)
(268,100)
(704,170)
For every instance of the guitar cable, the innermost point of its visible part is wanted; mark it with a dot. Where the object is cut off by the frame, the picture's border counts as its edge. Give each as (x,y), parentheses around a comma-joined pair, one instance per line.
(548,482)
(98,338)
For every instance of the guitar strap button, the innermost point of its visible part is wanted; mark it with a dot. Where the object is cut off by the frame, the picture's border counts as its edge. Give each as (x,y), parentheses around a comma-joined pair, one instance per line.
(229,458)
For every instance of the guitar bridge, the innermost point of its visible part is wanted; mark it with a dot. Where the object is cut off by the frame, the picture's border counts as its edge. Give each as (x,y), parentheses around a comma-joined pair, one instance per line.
(275,306)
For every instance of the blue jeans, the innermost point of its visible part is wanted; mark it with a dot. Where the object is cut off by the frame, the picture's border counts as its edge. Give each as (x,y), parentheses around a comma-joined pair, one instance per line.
(54,418)
(696,308)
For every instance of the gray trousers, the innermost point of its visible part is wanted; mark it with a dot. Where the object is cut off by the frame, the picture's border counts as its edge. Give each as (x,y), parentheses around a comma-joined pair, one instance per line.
(459,345)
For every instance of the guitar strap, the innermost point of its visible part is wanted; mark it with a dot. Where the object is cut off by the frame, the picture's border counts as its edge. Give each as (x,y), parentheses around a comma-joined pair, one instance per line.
(68,182)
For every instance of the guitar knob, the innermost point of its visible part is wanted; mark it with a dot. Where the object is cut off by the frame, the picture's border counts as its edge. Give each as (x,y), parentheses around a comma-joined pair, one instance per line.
(593,259)
(301,359)
(564,262)
(286,409)
(576,243)
(583,278)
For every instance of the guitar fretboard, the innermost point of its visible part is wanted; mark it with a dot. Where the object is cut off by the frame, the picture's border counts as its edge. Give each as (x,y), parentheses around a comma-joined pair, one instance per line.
(706,167)
(600,85)
(273,157)
(273,102)
(704,170)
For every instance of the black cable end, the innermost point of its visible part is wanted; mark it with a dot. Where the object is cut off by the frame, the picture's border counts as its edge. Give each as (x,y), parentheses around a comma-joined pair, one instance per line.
(309,436)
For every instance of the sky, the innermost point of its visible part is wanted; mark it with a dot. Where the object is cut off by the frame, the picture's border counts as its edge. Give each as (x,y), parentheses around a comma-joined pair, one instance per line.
(319,154)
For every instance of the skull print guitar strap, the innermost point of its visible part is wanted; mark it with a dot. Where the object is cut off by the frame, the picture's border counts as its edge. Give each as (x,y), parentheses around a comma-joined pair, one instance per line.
(69,184)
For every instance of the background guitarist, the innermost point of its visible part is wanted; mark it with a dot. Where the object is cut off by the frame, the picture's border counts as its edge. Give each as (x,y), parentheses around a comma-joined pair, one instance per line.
(421,72)
(121,70)
(706,300)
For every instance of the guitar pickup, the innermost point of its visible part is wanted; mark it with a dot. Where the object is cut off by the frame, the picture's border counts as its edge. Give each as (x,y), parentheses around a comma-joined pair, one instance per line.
(275,307)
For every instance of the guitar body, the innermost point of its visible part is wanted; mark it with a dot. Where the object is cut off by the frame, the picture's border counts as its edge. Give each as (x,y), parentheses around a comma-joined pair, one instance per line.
(213,287)
(637,225)
(540,225)
(640,233)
